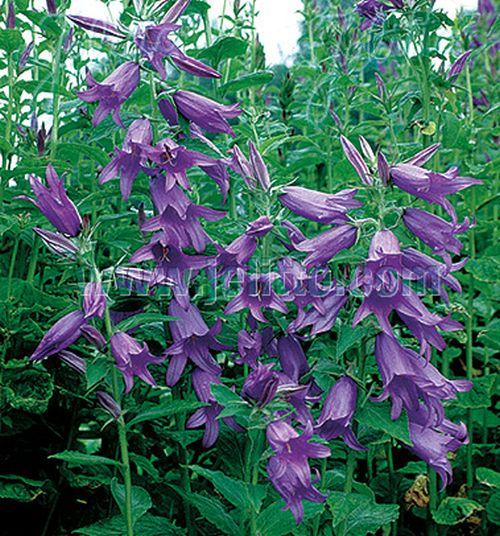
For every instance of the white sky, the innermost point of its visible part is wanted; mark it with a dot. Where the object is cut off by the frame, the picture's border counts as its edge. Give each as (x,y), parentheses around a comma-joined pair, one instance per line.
(278,21)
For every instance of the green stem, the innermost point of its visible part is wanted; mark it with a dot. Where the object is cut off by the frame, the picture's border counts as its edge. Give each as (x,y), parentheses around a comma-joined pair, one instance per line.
(310,32)
(351,467)
(433,501)
(33,261)
(317,521)
(56,73)
(392,483)
(12,266)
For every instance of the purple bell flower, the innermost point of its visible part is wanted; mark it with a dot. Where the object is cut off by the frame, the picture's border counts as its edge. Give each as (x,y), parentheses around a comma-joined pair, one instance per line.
(325,246)
(23,59)
(132,359)
(56,242)
(257,293)
(289,469)
(60,336)
(356,160)
(318,206)
(155,45)
(337,413)
(250,347)
(11,16)
(94,300)
(261,385)
(458,66)
(128,161)
(193,341)
(176,10)
(206,113)
(54,203)
(52,7)
(259,167)
(112,92)
(437,233)
(292,358)
(108,403)
(74,361)
(433,444)
(97,26)
(409,380)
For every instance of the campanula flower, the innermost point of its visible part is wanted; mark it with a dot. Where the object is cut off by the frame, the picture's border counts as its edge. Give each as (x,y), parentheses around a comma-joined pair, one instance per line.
(318,206)
(410,380)
(128,161)
(97,26)
(74,361)
(155,45)
(94,300)
(56,242)
(193,341)
(257,293)
(206,113)
(337,413)
(112,92)
(356,160)
(289,470)
(108,403)
(250,347)
(54,203)
(11,16)
(133,359)
(261,384)
(52,7)
(458,66)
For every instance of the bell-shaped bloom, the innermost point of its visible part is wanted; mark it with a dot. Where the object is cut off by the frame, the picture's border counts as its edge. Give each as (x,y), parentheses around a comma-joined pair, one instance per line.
(437,233)
(60,336)
(128,161)
(155,45)
(132,359)
(11,15)
(429,186)
(432,444)
(57,243)
(324,247)
(356,160)
(23,59)
(54,203)
(410,380)
(289,470)
(257,293)
(259,167)
(206,113)
(94,300)
(74,361)
(52,7)
(458,66)
(176,10)
(337,413)
(250,347)
(112,92)
(374,11)
(318,206)
(261,385)
(237,254)
(108,403)
(94,336)
(193,341)
(173,266)
(208,416)
(97,26)
(292,358)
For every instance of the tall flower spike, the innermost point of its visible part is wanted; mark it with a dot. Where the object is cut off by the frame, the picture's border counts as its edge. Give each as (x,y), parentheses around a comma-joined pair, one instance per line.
(54,203)
(112,92)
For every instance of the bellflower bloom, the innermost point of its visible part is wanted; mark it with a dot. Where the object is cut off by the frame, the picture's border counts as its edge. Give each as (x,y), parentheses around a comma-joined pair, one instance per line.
(458,66)
(128,161)
(176,10)
(193,340)
(261,384)
(356,160)
(155,45)
(52,7)
(206,113)
(257,293)
(437,233)
(318,206)
(429,186)
(112,92)
(408,379)
(94,300)
(56,242)
(11,16)
(74,361)
(292,358)
(337,413)
(208,416)
(23,59)
(97,26)
(259,167)
(54,203)
(60,336)
(108,403)
(289,469)
(433,444)
(237,254)
(250,347)
(132,359)
(325,246)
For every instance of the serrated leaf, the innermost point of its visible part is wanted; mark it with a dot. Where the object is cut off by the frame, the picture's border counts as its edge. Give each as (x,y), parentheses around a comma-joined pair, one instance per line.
(19,488)
(480,395)
(141,501)
(142,319)
(257,79)
(378,416)
(488,477)
(148,525)
(166,408)
(454,510)
(358,515)
(275,521)
(225,48)
(75,458)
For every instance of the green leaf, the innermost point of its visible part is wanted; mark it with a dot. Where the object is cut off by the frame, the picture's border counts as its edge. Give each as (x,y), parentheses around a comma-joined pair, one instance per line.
(148,525)
(225,48)
(11,40)
(166,408)
(75,458)
(493,508)
(485,269)
(454,135)
(488,477)
(30,390)
(238,493)
(358,515)
(19,488)
(257,79)
(274,521)
(480,395)
(212,510)
(348,337)
(73,152)
(454,510)
(141,501)
(378,416)
(142,319)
